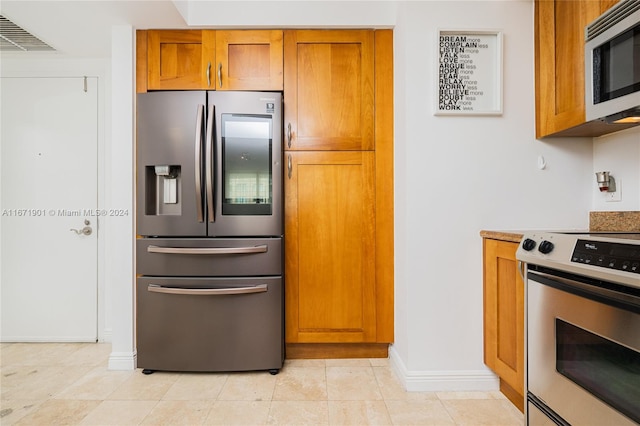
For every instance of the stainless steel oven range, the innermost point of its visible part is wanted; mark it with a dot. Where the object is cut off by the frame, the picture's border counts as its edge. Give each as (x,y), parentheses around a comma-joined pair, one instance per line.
(582,328)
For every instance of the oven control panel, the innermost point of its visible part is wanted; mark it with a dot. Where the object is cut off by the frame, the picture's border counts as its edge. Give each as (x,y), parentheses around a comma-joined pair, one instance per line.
(623,257)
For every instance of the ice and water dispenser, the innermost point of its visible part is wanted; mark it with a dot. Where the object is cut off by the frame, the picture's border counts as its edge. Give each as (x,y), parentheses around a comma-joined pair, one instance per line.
(163,190)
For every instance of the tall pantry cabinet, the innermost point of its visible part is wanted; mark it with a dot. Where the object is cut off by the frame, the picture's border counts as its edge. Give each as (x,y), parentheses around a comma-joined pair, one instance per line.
(339,204)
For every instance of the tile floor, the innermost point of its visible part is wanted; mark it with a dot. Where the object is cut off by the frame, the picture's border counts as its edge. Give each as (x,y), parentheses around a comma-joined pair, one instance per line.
(54,384)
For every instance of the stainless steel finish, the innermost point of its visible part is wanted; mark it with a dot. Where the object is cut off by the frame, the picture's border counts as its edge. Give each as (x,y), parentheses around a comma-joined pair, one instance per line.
(209,165)
(243,263)
(220,74)
(209,74)
(544,305)
(234,332)
(208,250)
(607,20)
(535,417)
(198,162)
(289,166)
(261,288)
(85,84)
(289,135)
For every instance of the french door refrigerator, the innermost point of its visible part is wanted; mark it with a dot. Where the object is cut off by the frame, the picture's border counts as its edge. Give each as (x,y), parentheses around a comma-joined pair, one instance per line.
(209,251)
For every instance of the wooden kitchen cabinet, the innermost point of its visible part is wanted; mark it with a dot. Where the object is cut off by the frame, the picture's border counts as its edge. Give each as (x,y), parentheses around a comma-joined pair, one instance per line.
(249,60)
(180,59)
(330,249)
(504,317)
(329,89)
(339,197)
(209,60)
(559,67)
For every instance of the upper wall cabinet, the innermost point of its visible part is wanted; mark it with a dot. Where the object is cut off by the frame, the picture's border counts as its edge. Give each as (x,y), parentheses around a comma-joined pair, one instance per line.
(559,67)
(180,60)
(209,60)
(328,89)
(249,60)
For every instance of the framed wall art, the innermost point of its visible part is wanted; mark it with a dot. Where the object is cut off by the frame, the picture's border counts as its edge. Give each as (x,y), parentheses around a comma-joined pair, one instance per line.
(469,72)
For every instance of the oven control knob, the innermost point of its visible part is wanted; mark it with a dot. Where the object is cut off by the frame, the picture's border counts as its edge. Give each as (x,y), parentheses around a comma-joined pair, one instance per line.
(528,244)
(545,247)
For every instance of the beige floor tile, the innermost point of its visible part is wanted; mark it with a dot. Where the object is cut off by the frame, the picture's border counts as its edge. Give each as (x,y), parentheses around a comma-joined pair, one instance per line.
(299,413)
(239,413)
(254,386)
(358,413)
(179,413)
(379,362)
(391,388)
(38,382)
(309,383)
(305,363)
(98,384)
(37,353)
(13,410)
(349,362)
(483,412)
(121,413)
(59,412)
(146,387)
(352,383)
(196,386)
(414,412)
(92,354)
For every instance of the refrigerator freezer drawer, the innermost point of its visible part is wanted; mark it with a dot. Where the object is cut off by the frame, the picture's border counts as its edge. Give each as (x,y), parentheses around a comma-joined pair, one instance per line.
(210,324)
(209,257)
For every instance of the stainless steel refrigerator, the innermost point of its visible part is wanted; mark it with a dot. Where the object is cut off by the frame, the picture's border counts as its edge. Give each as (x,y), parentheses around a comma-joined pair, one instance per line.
(209,252)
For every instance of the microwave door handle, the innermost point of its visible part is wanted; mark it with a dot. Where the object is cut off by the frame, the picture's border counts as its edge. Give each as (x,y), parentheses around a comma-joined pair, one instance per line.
(198,164)
(209,163)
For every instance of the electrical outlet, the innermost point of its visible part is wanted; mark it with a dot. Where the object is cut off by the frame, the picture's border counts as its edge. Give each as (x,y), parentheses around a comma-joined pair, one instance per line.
(617,194)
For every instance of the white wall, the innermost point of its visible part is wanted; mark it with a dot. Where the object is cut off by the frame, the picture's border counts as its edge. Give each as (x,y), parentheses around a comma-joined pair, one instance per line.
(457,175)
(619,154)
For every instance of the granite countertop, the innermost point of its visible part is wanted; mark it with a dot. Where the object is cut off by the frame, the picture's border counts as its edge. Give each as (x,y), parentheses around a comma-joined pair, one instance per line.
(628,221)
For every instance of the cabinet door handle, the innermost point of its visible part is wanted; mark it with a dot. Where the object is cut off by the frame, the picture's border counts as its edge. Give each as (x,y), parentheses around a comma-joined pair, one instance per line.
(289,166)
(260,288)
(220,74)
(209,75)
(289,135)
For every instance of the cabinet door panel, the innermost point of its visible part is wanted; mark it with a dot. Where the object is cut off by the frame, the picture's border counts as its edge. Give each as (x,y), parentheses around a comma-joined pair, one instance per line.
(330,249)
(249,60)
(329,89)
(180,59)
(504,313)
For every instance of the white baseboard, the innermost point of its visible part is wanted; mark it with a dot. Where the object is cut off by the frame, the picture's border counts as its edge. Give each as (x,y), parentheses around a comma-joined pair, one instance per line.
(442,380)
(122,361)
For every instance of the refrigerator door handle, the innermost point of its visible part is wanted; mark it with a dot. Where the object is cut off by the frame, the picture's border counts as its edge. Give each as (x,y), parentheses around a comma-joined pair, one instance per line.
(198,163)
(260,288)
(207,250)
(209,162)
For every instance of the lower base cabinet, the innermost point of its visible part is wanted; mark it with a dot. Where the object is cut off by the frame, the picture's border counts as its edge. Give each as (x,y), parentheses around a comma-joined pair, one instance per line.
(504,317)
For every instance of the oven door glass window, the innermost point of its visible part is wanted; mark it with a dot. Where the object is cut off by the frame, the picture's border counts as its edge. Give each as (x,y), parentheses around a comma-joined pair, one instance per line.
(604,368)
(247,166)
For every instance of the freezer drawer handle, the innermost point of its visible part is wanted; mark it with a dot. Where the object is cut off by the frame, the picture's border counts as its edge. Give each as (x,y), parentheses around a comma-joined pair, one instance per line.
(261,288)
(207,250)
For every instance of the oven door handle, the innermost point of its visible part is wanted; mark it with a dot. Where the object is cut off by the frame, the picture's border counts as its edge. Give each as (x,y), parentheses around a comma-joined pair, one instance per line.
(154,288)
(521,267)
(207,250)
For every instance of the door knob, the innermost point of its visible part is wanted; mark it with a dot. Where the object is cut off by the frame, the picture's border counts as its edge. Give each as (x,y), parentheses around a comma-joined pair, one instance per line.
(87,230)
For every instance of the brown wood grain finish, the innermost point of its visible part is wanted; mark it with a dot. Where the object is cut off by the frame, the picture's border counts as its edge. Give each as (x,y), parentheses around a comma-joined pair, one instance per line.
(329,93)
(336,350)
(141,61)
(559,64)
(249,60)
(384,184)
(330,250)
(504,315)
(180,59)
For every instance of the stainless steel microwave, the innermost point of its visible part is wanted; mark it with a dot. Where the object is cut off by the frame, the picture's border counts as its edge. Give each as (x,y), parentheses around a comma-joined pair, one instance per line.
(612,65)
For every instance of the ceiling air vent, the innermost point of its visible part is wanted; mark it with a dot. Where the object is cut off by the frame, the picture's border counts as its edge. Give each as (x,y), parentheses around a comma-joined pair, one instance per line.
(15,39)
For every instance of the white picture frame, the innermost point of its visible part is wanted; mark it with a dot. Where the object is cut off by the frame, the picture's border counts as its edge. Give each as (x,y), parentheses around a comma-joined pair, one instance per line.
(468,72)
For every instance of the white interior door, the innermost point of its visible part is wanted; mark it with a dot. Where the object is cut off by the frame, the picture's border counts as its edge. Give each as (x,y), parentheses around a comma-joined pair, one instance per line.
(49,135)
